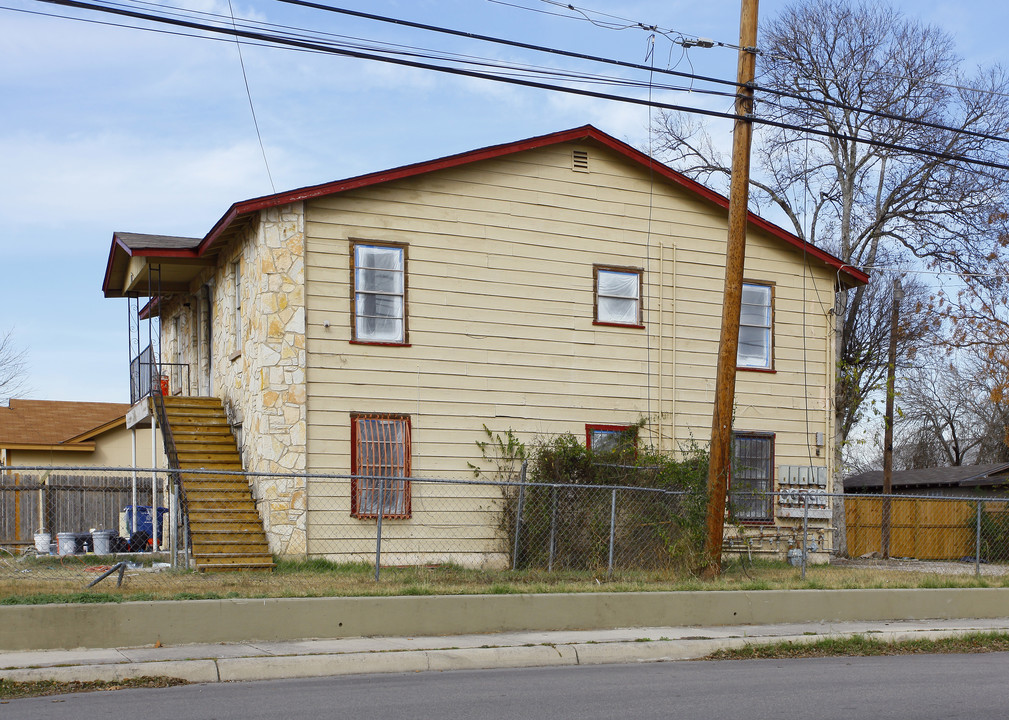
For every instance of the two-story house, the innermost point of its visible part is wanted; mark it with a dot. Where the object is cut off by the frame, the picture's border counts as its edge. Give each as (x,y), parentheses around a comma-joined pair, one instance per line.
(563,283)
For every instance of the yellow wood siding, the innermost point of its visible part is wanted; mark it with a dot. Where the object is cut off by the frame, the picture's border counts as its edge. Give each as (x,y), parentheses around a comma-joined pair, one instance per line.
(500,313)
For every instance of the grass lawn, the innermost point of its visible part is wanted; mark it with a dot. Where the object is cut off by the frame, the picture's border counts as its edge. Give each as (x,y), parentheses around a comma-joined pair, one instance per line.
(47,580)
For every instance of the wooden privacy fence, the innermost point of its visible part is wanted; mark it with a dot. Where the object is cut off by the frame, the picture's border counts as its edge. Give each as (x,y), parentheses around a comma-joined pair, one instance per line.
(919,528)
(64,503)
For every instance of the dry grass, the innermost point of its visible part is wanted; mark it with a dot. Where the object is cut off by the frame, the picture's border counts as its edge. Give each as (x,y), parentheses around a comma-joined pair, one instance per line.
(10,690)
(862,645)
(54,580)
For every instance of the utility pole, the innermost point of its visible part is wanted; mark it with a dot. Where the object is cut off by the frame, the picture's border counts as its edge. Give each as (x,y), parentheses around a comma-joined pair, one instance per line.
(720,462)
(891,369)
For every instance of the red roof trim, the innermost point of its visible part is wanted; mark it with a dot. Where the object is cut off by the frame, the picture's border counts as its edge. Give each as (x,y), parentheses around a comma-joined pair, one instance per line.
(585,132)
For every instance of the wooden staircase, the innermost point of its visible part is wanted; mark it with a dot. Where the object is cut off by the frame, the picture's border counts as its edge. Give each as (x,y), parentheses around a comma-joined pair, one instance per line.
(224,526)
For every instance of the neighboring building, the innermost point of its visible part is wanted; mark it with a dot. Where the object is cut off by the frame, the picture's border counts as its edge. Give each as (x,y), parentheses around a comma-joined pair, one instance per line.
(54,433)
(926,522)
(564,283)
(962,481)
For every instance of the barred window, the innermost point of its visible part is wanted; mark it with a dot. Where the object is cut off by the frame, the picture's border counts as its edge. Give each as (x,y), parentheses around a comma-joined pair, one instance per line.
(380,466)
(752,480)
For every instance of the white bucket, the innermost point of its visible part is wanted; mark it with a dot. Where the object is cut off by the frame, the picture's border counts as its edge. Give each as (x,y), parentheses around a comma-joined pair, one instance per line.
(42,543)
(66,543)
(103,541)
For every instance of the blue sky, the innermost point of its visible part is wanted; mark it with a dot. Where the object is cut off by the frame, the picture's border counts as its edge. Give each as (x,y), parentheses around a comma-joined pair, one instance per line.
(105,129)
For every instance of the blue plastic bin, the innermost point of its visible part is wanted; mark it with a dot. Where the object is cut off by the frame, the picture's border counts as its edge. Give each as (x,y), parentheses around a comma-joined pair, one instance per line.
(145,519)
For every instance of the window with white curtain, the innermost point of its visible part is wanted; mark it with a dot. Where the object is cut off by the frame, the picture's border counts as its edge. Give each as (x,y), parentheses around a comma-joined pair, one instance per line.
(755,328)
(379,278)
(617,295)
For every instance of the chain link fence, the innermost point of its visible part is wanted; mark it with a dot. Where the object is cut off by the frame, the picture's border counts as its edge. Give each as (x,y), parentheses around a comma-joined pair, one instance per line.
(168,532)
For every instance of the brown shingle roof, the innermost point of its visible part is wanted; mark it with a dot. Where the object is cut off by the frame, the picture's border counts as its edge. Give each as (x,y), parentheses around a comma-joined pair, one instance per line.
(137,241)
(52,422)
(960,476)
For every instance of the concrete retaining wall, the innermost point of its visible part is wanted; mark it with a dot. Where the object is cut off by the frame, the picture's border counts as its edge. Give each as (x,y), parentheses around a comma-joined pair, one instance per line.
(131,624)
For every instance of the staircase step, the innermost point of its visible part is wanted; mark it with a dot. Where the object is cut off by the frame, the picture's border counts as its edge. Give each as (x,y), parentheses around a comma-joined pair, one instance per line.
(249,537)
(225,528)
(198,458)
(216,567)
(192,401)
(235,466)
(217,548)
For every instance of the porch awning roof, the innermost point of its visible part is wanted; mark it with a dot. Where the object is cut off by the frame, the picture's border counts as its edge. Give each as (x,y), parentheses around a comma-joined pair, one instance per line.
(152,265)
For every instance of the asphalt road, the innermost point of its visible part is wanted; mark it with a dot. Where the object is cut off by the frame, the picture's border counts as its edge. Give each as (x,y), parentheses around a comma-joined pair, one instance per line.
(910,686)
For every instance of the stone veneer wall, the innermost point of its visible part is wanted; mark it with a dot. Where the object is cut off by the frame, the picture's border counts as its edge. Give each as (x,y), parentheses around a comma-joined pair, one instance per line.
(261,378)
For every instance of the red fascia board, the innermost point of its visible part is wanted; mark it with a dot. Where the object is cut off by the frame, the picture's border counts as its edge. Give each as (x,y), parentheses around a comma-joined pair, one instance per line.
(314,191)
(585,132)
(707,193)
(116,243)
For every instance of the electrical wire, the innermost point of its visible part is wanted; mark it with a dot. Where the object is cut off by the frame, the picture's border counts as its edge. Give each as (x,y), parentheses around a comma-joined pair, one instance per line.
(320,47)
(539,48)
(636,66)
(252,107)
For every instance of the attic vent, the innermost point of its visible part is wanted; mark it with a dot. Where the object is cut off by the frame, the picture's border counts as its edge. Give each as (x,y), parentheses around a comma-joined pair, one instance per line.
(580,160)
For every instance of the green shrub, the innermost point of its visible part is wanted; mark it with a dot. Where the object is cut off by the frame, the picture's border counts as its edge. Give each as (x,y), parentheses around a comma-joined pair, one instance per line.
(566,508)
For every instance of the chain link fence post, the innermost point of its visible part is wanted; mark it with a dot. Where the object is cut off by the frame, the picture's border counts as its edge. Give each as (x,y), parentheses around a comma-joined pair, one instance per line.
(613,530)
(805,531)
(553,528)
(977,542)
(378,530)
(518,514)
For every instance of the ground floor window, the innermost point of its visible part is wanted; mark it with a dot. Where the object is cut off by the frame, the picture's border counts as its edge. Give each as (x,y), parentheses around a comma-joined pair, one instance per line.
(607,438)
(752,479)
(380,464)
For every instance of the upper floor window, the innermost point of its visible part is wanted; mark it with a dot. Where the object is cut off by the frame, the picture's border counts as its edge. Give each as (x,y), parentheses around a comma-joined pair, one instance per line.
(379,287)
(236,277)
(755,328)
(617,296)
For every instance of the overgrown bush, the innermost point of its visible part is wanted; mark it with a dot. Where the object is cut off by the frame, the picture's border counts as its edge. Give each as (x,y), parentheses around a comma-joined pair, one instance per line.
(569,497)
(994,534)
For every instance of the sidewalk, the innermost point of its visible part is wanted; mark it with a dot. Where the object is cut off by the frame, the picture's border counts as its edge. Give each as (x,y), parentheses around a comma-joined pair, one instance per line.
(226,662)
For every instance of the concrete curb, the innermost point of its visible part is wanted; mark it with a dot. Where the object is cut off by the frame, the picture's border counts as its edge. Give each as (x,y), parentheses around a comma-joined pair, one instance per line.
(273,667)
(133,624)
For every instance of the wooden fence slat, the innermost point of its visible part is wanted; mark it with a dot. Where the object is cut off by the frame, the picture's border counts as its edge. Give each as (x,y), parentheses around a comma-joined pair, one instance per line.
(919,528)
(71,503)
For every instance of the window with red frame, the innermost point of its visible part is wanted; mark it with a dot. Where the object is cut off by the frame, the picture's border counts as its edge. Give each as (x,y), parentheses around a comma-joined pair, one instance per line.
(617,296)
(380,466)
(752,480)
(608,438)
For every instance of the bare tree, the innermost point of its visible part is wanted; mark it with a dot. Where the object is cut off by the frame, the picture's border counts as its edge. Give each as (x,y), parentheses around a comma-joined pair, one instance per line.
(871,205)
(12,366)
(948,417)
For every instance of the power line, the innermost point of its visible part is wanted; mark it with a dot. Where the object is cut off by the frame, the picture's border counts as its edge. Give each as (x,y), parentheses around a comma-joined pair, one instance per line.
(428,54)
(501,41)
(635,66)
(252,107)
(278,40)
